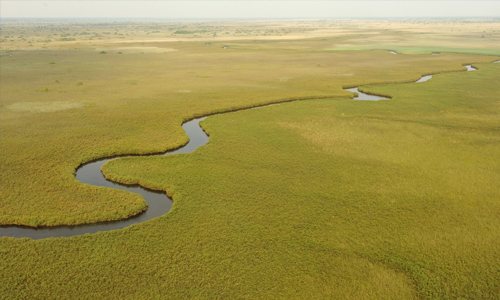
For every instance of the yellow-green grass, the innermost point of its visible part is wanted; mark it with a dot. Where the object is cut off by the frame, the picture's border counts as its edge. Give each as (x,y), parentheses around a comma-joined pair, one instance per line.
(479,36)
(62,107)
(424,36)
(419,50)
(319,199)
(329,198)
(410,183)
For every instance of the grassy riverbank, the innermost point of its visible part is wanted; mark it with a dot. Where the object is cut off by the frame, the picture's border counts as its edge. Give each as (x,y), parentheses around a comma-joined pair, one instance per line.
(317,199)
(325,198)
(84,103)
(405,191)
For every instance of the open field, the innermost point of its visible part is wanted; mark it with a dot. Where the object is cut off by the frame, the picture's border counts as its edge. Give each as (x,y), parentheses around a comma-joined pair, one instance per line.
(324,198)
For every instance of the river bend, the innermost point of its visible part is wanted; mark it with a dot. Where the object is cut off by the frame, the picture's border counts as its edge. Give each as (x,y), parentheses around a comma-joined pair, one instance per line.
(158,202)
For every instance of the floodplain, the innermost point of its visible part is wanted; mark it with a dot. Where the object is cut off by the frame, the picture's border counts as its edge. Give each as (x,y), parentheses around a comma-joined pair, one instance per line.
(319,197)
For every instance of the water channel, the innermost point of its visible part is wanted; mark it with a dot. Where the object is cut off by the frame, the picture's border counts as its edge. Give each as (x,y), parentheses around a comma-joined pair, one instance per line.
(158,202)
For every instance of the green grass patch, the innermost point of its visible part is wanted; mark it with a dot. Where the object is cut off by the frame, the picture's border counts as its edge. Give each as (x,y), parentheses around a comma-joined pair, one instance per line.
(43,150)
(324,198)
(329,198)
(418,50)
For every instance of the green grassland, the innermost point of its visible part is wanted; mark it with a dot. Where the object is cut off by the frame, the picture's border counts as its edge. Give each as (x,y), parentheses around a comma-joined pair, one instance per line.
(324,198)
(459,36)
(405,191)
(82,104)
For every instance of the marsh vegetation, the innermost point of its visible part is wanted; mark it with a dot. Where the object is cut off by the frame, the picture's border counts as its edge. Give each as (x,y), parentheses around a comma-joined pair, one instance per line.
(321,198)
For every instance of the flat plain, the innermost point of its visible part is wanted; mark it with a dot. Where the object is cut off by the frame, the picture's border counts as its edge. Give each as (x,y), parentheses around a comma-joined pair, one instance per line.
(322,197)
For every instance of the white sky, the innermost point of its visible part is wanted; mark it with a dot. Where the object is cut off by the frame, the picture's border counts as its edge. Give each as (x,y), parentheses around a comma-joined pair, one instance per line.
(208,9)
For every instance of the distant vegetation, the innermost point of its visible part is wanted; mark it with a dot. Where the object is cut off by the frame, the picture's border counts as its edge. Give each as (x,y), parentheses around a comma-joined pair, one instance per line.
(189,32)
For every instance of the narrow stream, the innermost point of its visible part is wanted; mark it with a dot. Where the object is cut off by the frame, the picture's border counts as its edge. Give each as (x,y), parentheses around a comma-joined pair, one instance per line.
(470,68)
(364,96)
(369,97)
(158,202)
(90,173)
(424,78)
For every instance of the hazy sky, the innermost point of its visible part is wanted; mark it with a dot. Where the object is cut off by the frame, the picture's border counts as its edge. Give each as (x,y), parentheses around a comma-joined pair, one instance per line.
(209,9)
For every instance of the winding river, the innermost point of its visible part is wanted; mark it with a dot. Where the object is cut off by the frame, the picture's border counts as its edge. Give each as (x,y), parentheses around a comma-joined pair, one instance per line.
(158,202)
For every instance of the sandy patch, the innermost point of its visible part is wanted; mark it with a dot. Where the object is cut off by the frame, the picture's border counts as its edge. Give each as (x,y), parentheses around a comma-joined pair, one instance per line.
(137,50)
(342,75)
(44,106)
(321,33)
(285,79)
(183,91)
